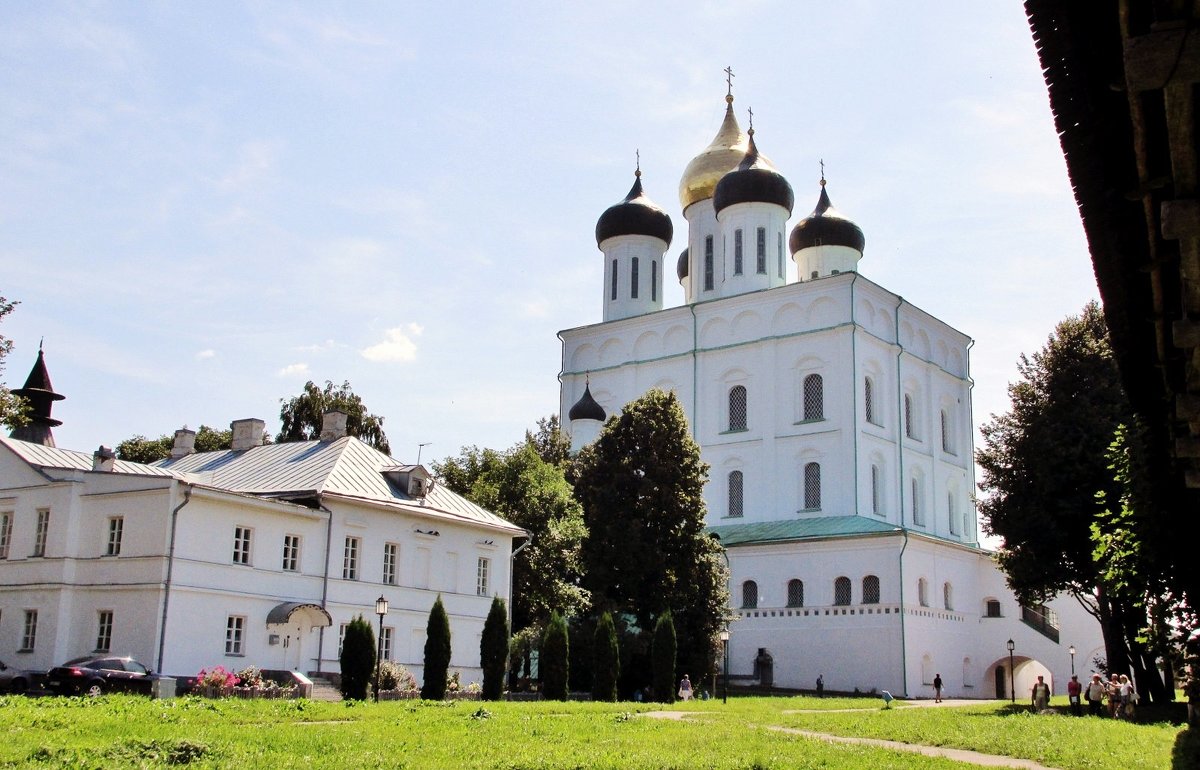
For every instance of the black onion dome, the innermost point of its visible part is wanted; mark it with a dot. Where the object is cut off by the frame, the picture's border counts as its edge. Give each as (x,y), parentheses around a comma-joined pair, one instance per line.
(681,267)
(826,227)
(755,180)
(636,215)
(586,407)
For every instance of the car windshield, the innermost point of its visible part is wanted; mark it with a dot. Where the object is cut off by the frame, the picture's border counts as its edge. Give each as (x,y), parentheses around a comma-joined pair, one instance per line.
(135,667)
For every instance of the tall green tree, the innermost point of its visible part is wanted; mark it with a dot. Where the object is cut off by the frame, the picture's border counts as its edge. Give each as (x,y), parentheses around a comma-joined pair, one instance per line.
(437,652)
(646,553)
(555,660)
(140,449)
(12,408)
(606,660)
(1046,473)
(301,416)
(493,650)
(663,658)
(357,659)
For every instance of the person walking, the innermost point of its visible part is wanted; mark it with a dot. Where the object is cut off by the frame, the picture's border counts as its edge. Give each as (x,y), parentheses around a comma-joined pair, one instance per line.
(1128,698)
(820,685)
(1074,690)
(685,688)
(1112,689)
(1041,695)
(937,688)
(1095,696)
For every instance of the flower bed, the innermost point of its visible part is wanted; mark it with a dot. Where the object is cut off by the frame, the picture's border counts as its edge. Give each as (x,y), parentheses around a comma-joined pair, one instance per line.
(217,682)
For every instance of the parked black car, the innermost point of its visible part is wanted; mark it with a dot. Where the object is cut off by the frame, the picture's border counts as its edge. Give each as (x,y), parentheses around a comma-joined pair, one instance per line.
(98,674)
(14,680)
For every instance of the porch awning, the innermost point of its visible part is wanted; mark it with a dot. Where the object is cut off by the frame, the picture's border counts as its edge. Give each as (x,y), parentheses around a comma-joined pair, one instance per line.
(315,613)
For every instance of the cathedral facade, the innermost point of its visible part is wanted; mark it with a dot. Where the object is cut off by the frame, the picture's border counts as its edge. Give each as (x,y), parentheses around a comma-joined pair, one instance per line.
(836,420)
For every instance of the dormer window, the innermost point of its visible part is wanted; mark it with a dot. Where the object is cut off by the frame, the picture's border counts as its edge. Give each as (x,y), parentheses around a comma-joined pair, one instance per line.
(413,480)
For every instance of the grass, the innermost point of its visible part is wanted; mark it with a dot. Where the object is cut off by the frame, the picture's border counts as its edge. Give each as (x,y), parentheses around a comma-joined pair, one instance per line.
(125,731)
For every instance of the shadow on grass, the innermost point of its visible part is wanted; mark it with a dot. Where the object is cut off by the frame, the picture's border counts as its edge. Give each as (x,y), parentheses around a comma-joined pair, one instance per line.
(1186,755)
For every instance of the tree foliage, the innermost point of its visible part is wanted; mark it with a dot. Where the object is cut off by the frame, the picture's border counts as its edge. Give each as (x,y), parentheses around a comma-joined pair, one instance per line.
(357,659)
(663,659)
(12,408)
(646,552)
(606,660)
(437,652)
(140,449)
(301,416)
(493,650)
(555,660)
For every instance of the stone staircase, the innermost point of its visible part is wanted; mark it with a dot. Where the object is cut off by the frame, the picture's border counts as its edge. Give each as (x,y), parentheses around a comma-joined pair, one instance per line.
(325,690)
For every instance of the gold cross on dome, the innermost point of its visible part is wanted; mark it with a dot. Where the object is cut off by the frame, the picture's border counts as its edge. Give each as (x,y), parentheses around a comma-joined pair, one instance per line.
(729,80)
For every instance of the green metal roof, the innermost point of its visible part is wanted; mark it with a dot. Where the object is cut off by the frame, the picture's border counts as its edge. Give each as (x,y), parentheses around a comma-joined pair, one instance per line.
(799,529)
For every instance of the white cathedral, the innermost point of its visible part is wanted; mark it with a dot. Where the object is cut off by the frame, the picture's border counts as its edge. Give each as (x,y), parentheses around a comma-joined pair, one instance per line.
(836,418)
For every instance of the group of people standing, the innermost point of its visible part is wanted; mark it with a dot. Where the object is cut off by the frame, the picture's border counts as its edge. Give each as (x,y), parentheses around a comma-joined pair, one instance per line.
(1118,691)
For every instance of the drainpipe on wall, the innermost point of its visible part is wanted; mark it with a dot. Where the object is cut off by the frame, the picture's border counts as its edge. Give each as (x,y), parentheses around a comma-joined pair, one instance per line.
(971,435)
(900,477)
(162,628)
(903,651)
(324,580)
(854,389)
(695,374)
(512,558)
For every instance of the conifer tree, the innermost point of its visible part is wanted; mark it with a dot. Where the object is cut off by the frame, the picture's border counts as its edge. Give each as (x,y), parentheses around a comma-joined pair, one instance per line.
(357,659)
(437,653)
(493,650)
(606,660)
(663,659)
(555,659)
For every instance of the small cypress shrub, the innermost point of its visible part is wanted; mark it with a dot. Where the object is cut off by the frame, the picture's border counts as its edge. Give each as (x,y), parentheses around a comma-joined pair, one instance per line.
(606,660)
(357,659)
(662,659)
(437,653)
(493,650)
(555,659)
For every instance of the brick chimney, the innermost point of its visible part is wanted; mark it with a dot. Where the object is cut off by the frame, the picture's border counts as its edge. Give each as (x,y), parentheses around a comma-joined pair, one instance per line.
(333,425)
(247,433)
(185,443)
(104,459)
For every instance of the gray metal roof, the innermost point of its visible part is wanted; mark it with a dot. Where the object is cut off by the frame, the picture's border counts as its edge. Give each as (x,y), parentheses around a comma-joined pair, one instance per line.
(53,458)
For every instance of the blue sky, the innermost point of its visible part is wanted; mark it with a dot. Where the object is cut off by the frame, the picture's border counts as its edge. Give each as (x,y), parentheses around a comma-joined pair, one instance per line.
(203,205)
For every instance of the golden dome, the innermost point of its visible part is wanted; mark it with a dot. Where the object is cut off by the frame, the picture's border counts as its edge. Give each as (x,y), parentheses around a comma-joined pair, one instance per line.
(720,157)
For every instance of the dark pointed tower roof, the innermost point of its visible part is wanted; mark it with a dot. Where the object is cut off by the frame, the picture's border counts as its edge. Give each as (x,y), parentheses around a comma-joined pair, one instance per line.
(41,397)
(635,215)
(755,180)
(586,407)
(826,227)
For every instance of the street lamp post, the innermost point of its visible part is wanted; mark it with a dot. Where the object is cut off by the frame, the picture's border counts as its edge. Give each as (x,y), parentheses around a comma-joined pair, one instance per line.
(381,609)
(725,654)
(1012,675)
(1071,650)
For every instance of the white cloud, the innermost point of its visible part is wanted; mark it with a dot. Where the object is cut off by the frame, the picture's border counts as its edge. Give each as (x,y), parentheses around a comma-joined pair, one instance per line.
(203,354)
(397,345)
(320,347)
(293,369)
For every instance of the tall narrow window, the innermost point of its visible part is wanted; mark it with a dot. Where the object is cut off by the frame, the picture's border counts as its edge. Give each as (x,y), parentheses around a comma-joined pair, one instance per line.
(779,253)
(235,628)
(341,637)
(43,530)
(708,263)
(869,400)
(918,514)
(923,592)
(29,635)
(950,515)
(993,608)
(390,553)
(350,558)
(876,483)
(6,520)
(910,417)
(291,553)
(948,596)
(104,631)
(633,278)
(387,633)
(613,291)
(760,262)
(814,397)
(812,486)
(947,445)
(749,595)
(241,545)
(795,593)
(841,591)
(483,568)
(870,590)
(116,525)
(737,407)
(737,251)
(735,493)
(654,280)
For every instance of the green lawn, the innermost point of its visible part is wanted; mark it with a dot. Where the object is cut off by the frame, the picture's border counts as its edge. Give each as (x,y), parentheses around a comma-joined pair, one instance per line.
(117,731)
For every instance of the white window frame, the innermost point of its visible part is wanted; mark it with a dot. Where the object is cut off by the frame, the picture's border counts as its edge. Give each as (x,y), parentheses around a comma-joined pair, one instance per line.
(29,632)
(235,635)
(483,569)
(386,635)
(243,542)
(291,553)
(6,522)
(341,638)
(391,558)
(350,552)
(116,528)
(104,629)
(42,533)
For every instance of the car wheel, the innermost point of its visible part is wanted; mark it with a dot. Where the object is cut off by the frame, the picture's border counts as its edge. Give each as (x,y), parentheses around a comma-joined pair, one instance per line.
(18,687)
(94,689)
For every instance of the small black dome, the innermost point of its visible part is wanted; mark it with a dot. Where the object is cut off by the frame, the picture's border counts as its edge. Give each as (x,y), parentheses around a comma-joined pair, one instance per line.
(636,215)
(681,267)
(586,407)
(826,227)
(755,180)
